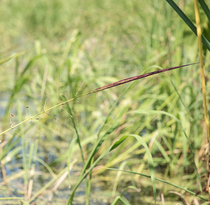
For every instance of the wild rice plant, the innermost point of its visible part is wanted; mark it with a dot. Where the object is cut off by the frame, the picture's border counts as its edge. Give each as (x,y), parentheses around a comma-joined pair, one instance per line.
(151,128)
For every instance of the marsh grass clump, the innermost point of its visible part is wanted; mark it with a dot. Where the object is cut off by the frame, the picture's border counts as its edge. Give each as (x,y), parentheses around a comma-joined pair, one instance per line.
(70,134)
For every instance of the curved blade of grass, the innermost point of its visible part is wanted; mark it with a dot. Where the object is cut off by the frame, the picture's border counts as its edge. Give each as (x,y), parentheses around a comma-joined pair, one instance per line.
(112,108)
(129,187)
(22,80)
(178,93)
(98,90)
(15,153)
(71,40)
(162,150)
(48,168)
(112,147)
(115,145)
(122,199)
(205,8)
(98,145)
(161,180)
(150,161)
(185,134)
(11,154)
(9,146)
(117,178)
(68,109)
(11,57)
(188,22)
(90,159)
(29,64)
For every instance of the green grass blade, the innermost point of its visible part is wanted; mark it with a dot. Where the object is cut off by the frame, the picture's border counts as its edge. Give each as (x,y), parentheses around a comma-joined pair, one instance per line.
(48,168)
(11,57)
(94,150)
(116,200)
(122,199)
(129,187)
(20,82)
(150,161)
(115,145)
(98,145)
(11,154)
(190,146)
(112,147)
(162,150)
(68,109)
(29,64)
(111,110)
(188,22)
(205,8)
(117,178)
(31,152)
(178,94)
(9,146)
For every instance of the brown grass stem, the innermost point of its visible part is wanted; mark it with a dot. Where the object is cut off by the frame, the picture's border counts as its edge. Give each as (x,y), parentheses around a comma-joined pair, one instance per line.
(200,47)
(202,71)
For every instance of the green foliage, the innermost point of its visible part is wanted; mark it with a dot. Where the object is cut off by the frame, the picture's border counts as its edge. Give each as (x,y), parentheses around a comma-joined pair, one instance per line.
(53,51)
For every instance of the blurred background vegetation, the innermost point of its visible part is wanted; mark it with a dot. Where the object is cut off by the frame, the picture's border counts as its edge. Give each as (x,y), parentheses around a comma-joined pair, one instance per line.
(72,47)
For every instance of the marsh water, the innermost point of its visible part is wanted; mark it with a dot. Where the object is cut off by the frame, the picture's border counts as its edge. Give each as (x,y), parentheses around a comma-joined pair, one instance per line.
(101,187)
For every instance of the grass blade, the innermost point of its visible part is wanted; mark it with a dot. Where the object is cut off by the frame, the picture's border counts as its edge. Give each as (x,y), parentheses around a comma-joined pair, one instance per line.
(83,173)
(150,161)
(112,147)
(68,109)
(122,199)
(190,146)
(11,57)
(205,8)
(188,22)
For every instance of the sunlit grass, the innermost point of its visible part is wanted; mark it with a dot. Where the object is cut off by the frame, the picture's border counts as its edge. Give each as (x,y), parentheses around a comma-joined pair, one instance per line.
(72,48)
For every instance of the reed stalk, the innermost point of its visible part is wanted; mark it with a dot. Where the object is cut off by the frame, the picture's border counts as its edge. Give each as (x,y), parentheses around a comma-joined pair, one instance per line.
(202,72)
